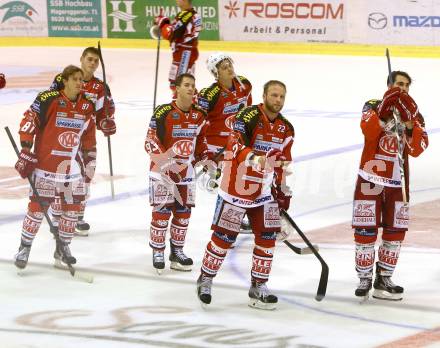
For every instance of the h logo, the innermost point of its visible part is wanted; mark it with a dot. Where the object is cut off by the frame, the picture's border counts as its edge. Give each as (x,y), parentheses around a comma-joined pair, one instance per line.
(126,16)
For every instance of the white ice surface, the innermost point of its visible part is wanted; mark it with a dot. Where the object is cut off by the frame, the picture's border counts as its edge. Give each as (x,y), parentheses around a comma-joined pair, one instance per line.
(128,305)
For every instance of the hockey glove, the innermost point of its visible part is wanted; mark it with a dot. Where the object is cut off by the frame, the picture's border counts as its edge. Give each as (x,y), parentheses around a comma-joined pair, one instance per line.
(390,99)
(161,20)
(108,126)
(2,81)
(26,164)
(407,107)
(282,197)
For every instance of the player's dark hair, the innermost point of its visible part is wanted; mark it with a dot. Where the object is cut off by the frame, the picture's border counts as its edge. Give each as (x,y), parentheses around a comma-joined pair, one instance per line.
(92,50)
(394,75)
(271,83)
(69,71)
(182,76)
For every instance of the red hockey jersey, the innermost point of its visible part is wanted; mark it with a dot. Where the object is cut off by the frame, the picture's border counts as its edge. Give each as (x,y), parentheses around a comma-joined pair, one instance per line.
(255,134)
(221,105)
(379,161)
(176,137)
(94,90)
(58,127)
(185,30)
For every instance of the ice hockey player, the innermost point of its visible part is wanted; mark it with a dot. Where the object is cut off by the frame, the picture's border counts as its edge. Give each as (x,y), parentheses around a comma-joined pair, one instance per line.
(222,101)
(253,183)
(378,198)
(56,126)
(175,142)
(93,87)
(182,33)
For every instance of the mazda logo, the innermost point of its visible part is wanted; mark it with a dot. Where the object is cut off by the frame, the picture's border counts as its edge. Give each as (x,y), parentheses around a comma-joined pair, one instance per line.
(377,20)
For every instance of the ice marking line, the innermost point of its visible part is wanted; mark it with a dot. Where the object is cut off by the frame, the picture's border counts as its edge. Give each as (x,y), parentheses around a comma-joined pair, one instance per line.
(11,178)
(244,280)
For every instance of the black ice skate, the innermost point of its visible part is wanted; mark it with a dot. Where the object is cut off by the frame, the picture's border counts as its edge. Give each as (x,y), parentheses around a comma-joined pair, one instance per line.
(22,257)
(385,289)
(82,228)
(260,297)
(63,256)
(179,261)
(364,288)
(158,261)
(204,284)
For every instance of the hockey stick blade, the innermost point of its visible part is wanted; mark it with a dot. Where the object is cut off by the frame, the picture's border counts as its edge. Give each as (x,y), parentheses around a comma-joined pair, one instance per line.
(299,250)
(84,277)
(323,280)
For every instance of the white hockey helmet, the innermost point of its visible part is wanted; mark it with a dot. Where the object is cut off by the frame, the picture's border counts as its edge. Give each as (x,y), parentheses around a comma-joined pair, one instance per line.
(214,59)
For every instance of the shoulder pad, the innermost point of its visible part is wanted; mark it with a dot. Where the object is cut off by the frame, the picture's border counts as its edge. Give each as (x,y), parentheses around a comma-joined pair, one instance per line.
(244,80)
(287,122)
(46,95)
(162,110)
(371,105)
(247,114)
(185,16)
(210,92)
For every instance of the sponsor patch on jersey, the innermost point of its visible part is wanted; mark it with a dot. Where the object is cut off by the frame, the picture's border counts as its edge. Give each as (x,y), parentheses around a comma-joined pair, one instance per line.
(388,144)
(259,136)
(229,122)
(62,114)
(184,133)
(232,109)
(62,103)
(177,126)
(239,126)
(64,122)
(183,148)
(203,103)
(277,140)
(264,146)
(247,202)
(36,106)
(175,115)
(152,123)
(192,126)
(364,213)
(69,139)
(79,116)
(401,215)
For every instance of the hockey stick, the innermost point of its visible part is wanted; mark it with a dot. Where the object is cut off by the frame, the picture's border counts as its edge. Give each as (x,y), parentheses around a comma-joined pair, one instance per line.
(322,287)
(109,144)
(157,67)
(74,273)
(214,159)
(396,133)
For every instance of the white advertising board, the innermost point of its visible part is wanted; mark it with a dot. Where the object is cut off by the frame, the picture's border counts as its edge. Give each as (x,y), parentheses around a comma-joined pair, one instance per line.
(23,18)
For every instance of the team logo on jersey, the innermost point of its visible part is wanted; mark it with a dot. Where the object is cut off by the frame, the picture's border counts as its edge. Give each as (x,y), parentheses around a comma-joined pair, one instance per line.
(229,122)
(183,148)
(64,122)
(69,139)
(388,144)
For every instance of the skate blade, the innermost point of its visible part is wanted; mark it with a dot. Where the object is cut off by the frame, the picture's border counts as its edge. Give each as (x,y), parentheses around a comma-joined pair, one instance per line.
(81,233)
(254,303)
(159,271)
(182,268)
(363,299)
(385,295)
(60,265)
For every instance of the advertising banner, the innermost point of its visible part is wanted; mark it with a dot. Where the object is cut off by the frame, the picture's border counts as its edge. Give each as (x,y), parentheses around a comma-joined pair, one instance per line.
(397,22)
(283,20)
(23,18)
(74,18)
(134,18)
